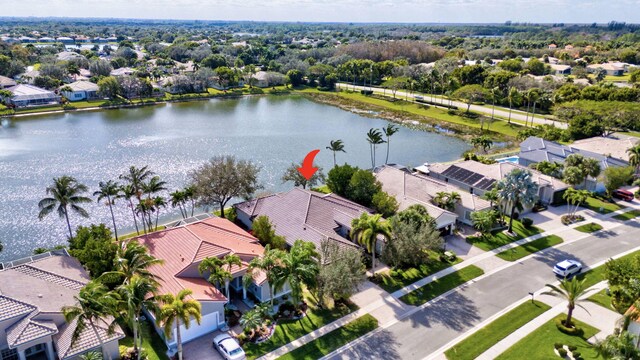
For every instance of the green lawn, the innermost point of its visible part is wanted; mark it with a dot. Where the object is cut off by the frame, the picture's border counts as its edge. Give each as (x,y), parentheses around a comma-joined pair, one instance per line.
(539,344)
(333,340)
(596,275)
(601,298)
(601,205)
(442,285)
(497,239)
(521,251)
(497,126)
(488,336)
(628,215)
(589,228)
(151,342)
(289,330)
(398,278)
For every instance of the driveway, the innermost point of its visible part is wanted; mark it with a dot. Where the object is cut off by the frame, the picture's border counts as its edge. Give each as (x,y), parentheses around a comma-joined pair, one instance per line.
(201,348)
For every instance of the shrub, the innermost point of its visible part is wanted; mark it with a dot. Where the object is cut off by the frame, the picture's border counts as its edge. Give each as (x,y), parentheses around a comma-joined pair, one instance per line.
(516,215)
(527,222)
(572,348)
(575,354)
(573,330)
(558,345)
(562,352)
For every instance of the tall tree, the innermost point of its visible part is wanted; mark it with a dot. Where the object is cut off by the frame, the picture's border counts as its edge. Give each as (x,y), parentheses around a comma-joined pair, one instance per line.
(178,309)
(128,192)
(292,174)
(365,231)
(341,270)
(135,295)
(136,177)
(94,305)
(178,200)
(570,290)
(109,190)
(298,268)
(389,131)
(516,190)
(265,263)
(374,138)
(335,146)
(133,259)
(66,194)
(634,157)
(512,96)
(223,178)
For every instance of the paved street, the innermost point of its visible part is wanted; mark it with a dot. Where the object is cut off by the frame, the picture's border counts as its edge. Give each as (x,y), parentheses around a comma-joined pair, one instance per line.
(499,111)
(425,331)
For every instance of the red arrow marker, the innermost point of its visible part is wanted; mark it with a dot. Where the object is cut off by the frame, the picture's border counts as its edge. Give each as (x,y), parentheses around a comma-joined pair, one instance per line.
(307,170)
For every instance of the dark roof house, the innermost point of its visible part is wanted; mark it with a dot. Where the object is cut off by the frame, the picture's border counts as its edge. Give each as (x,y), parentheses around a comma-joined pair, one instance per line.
(304,214)
(534,150)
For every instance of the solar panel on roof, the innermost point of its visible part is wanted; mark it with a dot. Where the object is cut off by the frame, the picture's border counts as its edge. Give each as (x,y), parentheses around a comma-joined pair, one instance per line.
(486,184)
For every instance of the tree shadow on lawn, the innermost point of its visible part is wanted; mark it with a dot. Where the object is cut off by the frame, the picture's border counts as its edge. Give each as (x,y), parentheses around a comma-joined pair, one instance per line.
(456,312)
(381,345)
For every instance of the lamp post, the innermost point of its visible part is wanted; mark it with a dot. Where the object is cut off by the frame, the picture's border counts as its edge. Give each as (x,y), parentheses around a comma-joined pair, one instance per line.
(531,297)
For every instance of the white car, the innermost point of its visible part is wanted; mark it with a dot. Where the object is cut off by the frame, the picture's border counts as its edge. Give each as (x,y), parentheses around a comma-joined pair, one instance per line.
(228,347)
(567,268)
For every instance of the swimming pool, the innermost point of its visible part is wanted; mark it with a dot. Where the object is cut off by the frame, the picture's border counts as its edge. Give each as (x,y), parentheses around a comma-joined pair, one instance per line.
(511,159)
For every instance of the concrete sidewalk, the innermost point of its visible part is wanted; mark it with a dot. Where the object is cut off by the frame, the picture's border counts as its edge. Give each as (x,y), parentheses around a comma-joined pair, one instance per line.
(387,308)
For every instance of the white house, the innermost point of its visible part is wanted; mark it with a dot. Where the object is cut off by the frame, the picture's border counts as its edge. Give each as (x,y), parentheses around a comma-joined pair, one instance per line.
(81,90)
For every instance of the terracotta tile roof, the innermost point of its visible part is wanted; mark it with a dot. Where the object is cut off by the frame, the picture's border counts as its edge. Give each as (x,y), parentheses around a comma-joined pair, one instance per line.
(183,247)
(86,341)
(29,329)
(10,308)
(304,214)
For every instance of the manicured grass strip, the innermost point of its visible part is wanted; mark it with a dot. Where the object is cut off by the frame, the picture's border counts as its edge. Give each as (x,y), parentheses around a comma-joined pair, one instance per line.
(539,344)
(289,330)
(483,339)
(601,298)
(442,285)
(497,239)
(596,275)
(601,206)
(521,251)
(628,215)
(333,340)
(398,278)
(589,228)
(152,344)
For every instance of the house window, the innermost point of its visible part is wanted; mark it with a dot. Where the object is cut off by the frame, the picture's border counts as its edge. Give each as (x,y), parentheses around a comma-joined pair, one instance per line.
(9,354)
(77,96)
(470,190)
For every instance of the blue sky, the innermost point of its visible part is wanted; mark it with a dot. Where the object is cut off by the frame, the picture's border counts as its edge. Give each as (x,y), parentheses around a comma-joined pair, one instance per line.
(550,11)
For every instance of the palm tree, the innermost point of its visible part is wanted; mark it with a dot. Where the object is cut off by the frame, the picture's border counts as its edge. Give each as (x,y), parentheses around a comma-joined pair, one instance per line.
(534,96)
(482,142)
(512,96)
(515,190)
(136,178)
(389,131)
(158,202)
(177,308)
(571,291)
(446,200)
(374,138)
(365,231)
(265,263)
(110,191)
(297,267)
(128,192)
(576,198)
(133,259)
(220,270)
(91,355)
(590,167)
(229,261)
(135,295)
(335,146)
(190,195)
(66,194)
(252,320)
(94,304)
(494,92)
(178,200)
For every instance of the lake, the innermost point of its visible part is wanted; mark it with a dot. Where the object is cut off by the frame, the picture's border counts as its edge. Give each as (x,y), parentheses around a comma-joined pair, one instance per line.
(174,139)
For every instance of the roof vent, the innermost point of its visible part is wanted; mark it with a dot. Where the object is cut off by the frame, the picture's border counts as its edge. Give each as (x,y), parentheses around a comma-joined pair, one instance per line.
(40,296)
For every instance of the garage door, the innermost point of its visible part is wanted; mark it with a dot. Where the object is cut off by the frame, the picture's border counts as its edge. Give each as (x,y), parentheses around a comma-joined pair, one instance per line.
(208,324)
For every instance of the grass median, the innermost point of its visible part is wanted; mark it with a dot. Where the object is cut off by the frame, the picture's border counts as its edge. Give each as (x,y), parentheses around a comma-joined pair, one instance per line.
(601,205)
(539,344)
(488,336)
(628,215)
(441,286)
(333,340)
(521,251)
(396,279)
(589,228)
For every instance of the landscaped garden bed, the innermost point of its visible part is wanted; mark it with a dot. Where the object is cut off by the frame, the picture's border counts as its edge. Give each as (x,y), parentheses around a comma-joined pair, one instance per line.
(571,219)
